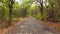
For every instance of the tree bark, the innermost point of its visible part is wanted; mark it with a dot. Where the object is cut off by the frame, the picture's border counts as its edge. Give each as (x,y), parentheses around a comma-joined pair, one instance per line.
(10,11)
(41,8)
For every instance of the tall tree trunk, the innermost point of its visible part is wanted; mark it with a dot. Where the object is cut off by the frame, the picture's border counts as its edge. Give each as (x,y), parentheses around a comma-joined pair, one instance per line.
(10,11)
(41,8)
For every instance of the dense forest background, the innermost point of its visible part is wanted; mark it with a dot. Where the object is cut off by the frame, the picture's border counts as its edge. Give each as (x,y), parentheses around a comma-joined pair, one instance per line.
(45,10)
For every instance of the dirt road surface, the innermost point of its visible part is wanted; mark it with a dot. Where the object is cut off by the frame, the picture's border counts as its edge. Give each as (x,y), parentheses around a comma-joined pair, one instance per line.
(31,26)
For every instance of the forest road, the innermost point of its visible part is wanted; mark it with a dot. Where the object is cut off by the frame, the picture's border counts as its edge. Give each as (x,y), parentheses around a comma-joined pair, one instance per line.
(31,26)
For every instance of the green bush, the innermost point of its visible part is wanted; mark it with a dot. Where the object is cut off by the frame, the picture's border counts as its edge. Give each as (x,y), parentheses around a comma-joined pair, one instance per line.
(39,16)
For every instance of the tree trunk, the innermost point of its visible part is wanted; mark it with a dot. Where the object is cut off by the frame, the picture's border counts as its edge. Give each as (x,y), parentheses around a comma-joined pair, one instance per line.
(10,11)
(41,8)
